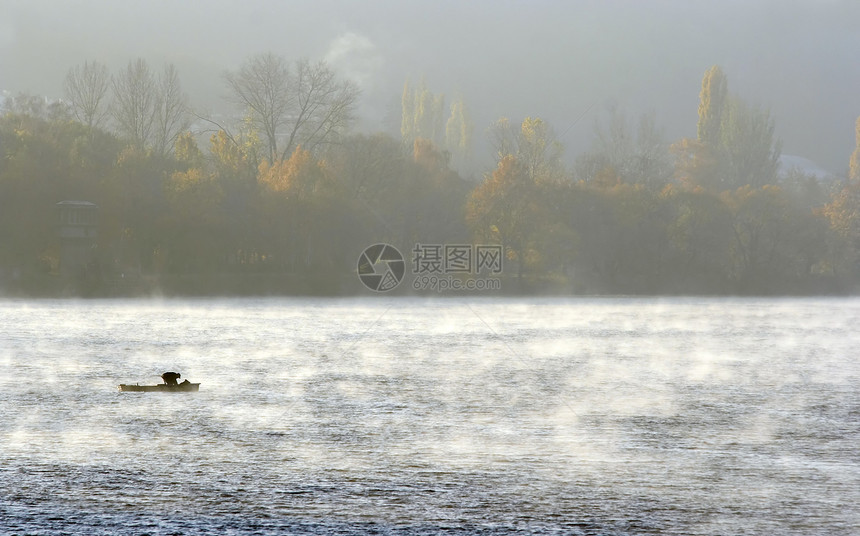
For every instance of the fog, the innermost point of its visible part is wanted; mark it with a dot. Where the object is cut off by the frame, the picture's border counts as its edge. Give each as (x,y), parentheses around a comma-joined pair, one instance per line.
(692,416)
(554,60)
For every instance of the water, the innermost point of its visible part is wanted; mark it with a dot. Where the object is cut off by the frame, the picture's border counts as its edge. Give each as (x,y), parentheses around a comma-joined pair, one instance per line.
(402,416)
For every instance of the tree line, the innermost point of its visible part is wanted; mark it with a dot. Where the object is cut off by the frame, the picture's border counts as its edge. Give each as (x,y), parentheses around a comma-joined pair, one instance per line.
(283,186)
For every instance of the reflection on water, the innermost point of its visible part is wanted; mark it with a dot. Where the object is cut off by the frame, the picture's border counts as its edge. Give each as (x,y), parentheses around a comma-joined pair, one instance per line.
(588,416)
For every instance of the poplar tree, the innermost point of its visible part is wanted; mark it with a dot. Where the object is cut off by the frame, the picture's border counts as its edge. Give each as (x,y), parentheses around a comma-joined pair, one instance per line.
(438,120)
(854,164)
(712,101)
(407,117)
(458,133)
(423,112)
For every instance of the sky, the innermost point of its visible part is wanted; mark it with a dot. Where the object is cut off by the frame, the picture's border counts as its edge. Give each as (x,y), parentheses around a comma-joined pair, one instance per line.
(556,60)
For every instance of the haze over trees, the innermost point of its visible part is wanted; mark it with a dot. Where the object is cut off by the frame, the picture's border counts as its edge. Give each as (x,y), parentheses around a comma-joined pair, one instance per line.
(282,195)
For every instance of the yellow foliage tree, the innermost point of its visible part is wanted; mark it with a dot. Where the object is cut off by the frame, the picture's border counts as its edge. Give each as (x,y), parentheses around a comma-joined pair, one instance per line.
(696,165)
(297,177)
(854,164)
(503,210)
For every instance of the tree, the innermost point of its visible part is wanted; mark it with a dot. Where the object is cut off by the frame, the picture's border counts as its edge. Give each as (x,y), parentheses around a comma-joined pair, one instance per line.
(407,114)
(711,102)
(854,164)
(423,115)
(458,134)
(502,138)
(534,144)
(262,86)
(290,188)
(503,210)
(702,235)
(696,164)
(325,108)
(633,158)
(196,238)
(187,152)
(171,111)
(423,109)
(652,163)
(309,107)
(775,242)
(738,139)
(749,151)
(134,102)
(437,135)
(86,88)
(36,107)
(843,212)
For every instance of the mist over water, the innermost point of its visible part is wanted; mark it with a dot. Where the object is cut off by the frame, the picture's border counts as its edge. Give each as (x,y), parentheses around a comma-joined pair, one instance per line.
(568,416)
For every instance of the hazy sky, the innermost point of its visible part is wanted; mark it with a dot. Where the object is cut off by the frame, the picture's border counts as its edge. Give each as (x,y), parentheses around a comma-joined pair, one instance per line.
(551,59)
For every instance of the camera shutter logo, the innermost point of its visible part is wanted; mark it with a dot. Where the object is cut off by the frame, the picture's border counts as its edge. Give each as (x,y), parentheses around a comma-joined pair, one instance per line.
(381,267)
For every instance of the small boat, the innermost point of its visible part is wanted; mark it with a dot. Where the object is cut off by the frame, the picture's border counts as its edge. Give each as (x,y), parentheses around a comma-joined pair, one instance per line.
(184,387)
(169,385)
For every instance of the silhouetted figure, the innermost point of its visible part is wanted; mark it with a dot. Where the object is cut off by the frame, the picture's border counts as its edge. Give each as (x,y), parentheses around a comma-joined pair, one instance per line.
(170,377)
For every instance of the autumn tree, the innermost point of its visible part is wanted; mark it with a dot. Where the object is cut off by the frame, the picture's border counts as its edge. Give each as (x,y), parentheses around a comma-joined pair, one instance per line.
(854,163)
(290,188)
(234,166)
(407,114)
(503,210)
(86,88)
(423,115)
(459,130)
(433,199)
(843,213)
(534,144)
(736,145)
(712,100)
(423,110)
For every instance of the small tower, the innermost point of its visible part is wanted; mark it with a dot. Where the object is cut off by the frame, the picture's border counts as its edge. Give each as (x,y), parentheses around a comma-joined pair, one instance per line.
(78,232)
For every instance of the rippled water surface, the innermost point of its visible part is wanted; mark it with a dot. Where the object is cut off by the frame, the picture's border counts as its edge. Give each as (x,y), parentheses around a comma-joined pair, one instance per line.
(579,416)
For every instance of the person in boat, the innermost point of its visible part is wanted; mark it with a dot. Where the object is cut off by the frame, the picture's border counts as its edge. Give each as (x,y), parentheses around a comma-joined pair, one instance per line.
(170,377)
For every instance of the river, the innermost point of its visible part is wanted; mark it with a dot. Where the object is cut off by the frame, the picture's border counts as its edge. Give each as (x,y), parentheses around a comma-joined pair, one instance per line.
(427,416)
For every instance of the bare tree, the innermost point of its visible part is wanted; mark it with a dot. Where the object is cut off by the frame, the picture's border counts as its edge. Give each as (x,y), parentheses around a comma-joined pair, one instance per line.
(86,87)
(309,107)
(134,102)
(634,157)
(171,111)
(503,138)
(325,106)
(262,86)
